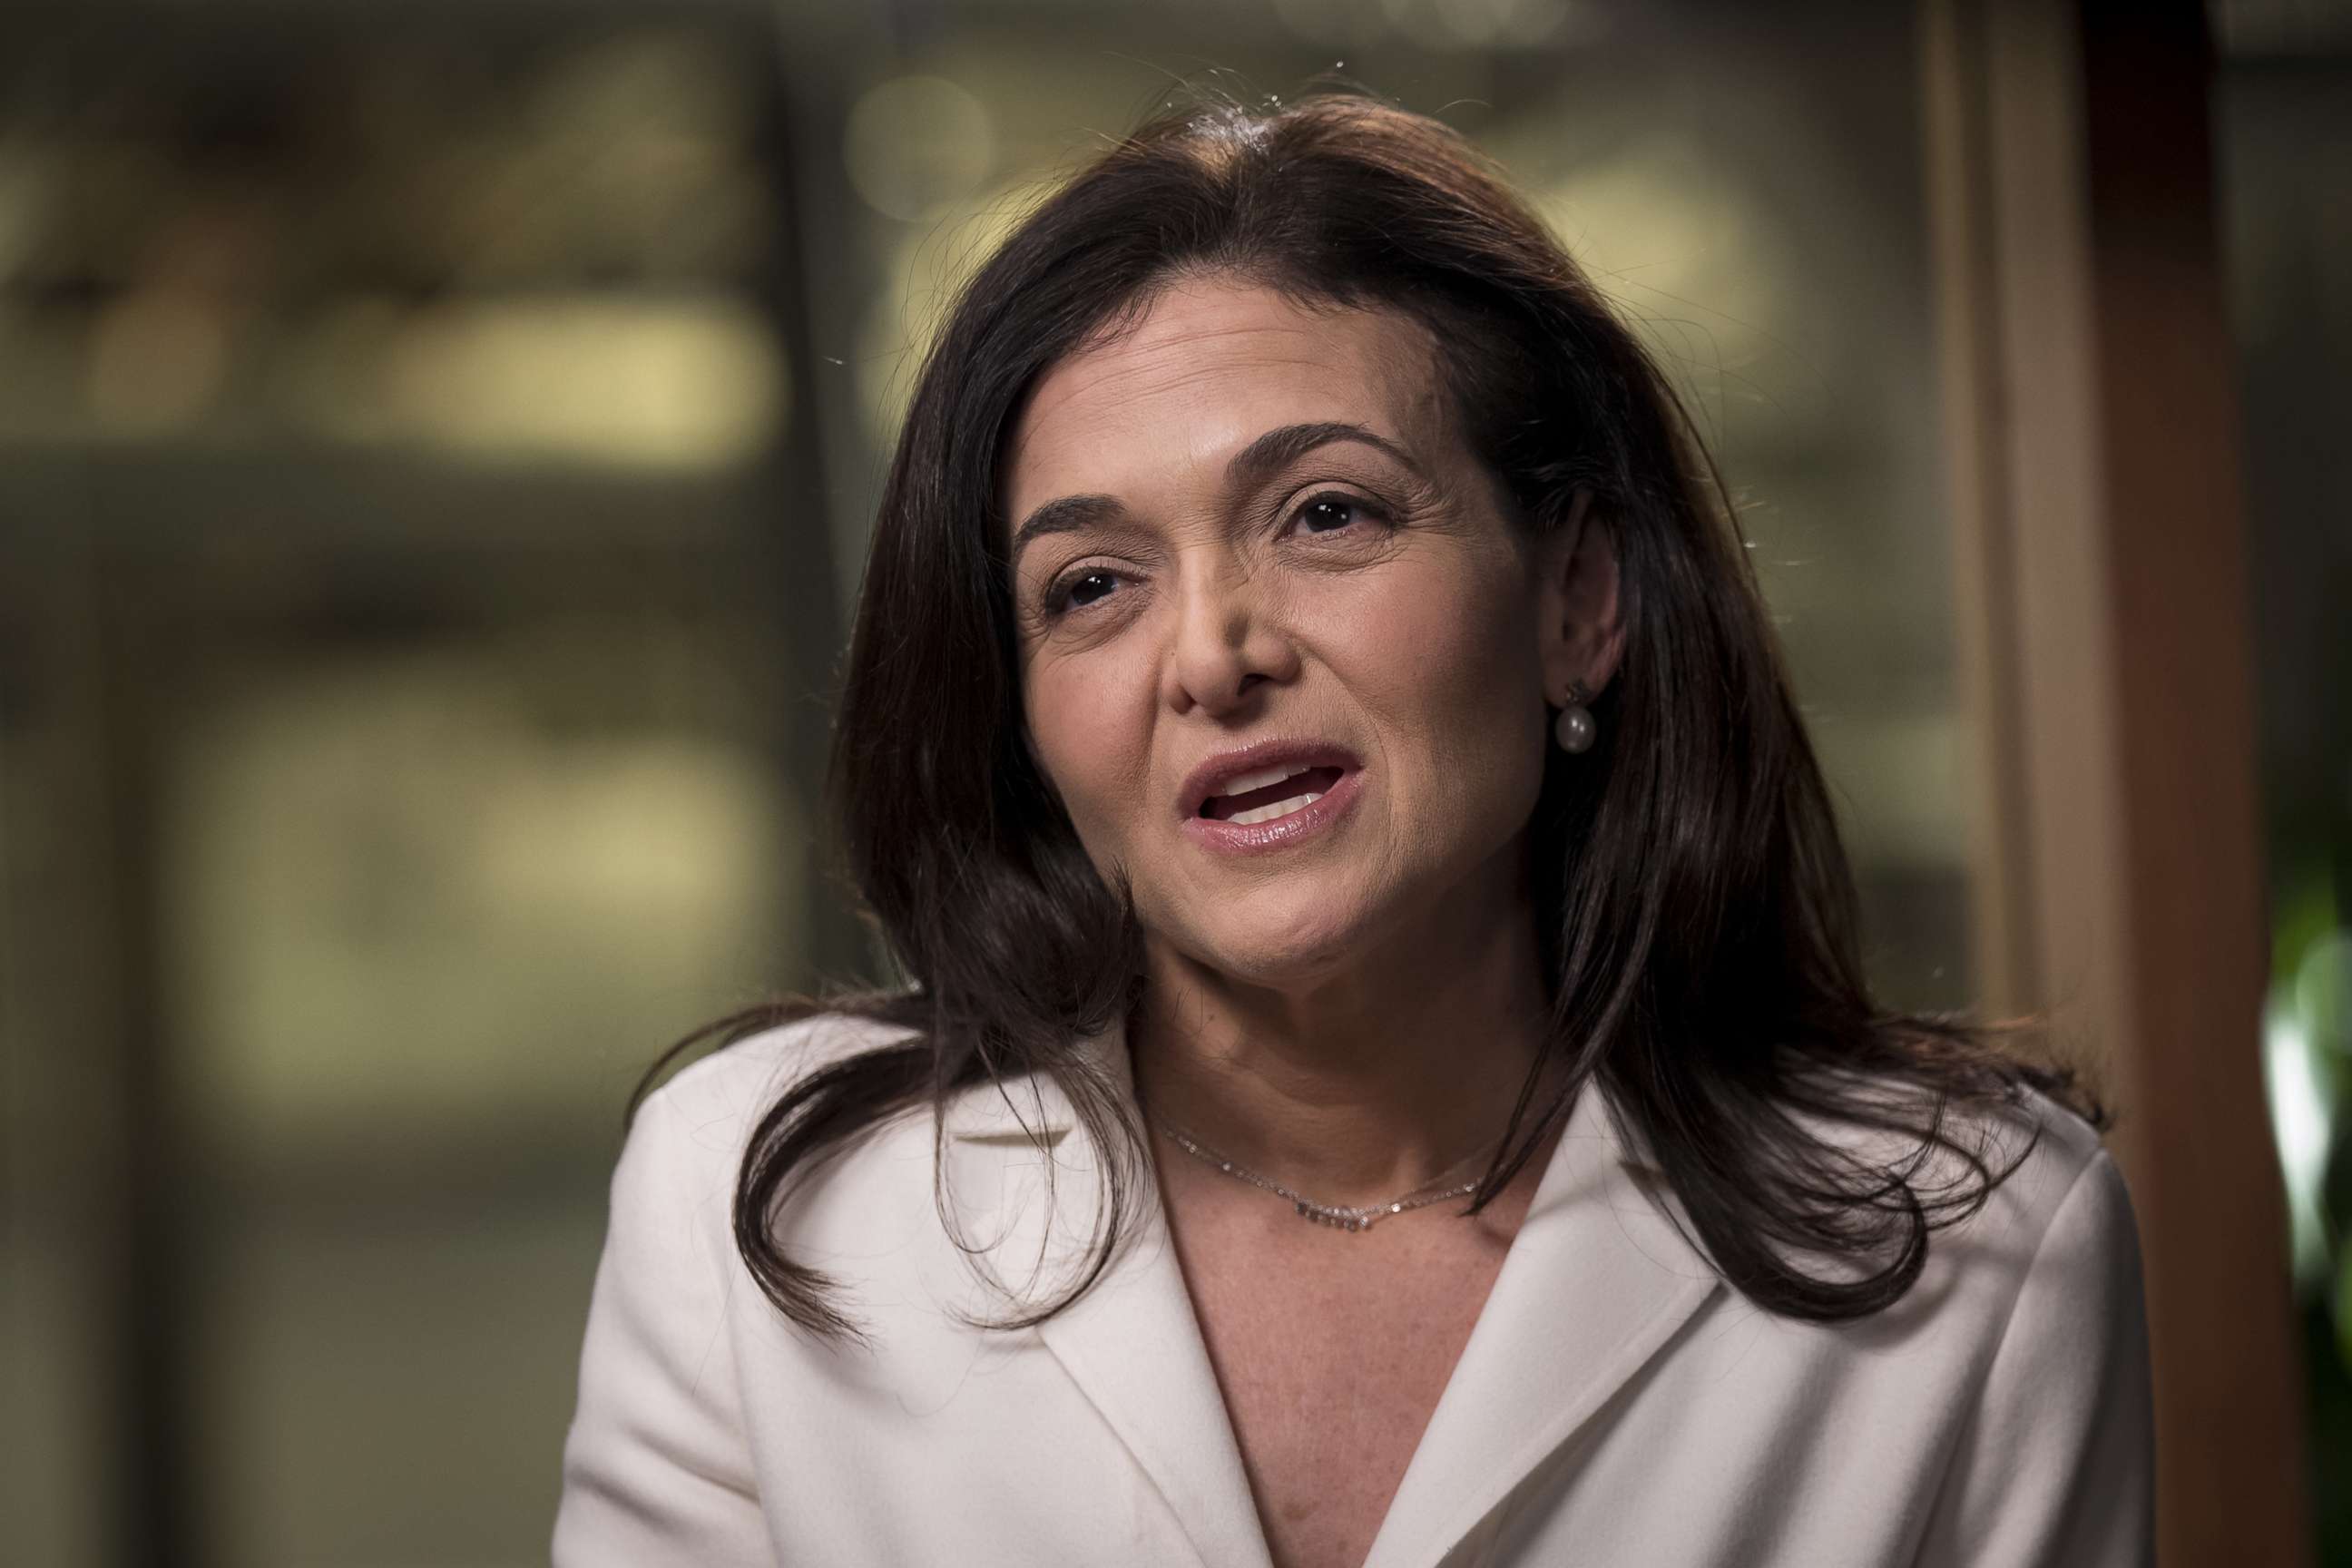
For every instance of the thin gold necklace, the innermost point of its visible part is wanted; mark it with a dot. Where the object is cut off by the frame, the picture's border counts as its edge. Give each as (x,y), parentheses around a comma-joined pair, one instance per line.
(1339,1216)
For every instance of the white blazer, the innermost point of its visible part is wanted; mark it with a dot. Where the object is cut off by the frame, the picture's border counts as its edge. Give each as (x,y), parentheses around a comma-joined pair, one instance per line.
(1617,1403)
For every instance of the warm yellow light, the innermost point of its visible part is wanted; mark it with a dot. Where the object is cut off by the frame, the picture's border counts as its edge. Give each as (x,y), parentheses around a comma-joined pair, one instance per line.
(916,144)
(156,361)
(662,382)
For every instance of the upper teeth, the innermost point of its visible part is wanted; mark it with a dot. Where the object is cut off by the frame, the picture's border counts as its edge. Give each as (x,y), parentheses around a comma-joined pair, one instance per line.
(1279,808)
(1242,784)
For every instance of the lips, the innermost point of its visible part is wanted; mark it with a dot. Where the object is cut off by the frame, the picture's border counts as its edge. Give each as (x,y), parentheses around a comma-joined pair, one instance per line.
(1292,829)
(1216,775)
(1292,784)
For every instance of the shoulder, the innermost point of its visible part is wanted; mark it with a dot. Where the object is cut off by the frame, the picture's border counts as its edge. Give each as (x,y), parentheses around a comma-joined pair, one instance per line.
(2037,1146)
(2051,1258)
(659,1464)
(2068,1232)
(2009,1188)
(2055,1461)
(2063,1190)
(703,1116)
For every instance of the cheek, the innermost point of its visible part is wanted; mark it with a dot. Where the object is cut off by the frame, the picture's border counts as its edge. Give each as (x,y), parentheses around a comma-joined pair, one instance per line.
(1090,738)
(1455,663)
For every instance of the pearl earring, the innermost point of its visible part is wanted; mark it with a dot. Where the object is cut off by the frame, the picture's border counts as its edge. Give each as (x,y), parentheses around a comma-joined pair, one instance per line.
(1574,729)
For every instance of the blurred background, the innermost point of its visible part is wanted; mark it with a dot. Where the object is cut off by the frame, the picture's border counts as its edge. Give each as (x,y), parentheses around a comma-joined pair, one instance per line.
(436,447)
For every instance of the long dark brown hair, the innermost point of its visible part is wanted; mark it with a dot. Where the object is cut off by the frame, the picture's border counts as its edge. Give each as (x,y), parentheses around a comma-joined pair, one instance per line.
(1694,909)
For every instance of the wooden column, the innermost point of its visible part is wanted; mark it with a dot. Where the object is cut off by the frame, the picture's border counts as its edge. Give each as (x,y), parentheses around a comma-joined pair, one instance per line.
(2091,437)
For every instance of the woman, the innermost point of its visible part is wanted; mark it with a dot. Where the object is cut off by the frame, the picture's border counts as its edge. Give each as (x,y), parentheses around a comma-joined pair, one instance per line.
(1313,738)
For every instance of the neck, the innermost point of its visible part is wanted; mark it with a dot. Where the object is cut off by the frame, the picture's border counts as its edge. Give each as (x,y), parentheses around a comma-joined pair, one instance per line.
(1362,1084)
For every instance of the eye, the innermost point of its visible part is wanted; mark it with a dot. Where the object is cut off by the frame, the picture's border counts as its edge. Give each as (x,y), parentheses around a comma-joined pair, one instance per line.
(1333,510)
(1079,590)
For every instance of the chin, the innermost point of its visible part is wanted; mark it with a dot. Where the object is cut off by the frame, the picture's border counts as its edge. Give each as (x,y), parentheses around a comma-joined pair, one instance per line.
(1278,972)
(1282,954)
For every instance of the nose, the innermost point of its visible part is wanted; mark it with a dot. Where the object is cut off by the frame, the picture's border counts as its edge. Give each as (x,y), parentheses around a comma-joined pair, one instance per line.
(1226,637)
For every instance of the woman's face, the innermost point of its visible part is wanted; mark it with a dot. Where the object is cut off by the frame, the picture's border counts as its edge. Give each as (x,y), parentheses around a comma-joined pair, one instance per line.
(1354,583)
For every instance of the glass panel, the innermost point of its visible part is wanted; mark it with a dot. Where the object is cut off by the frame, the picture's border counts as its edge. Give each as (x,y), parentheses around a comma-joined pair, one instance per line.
(429,908)
(428,713)
(418,893)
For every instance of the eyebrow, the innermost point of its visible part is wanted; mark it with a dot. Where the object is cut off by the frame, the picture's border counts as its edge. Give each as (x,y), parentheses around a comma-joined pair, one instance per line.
(1254,464)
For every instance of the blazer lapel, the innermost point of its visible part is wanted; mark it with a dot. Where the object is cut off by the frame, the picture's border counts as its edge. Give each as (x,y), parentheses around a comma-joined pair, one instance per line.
(1595,1283)
(1131,1342)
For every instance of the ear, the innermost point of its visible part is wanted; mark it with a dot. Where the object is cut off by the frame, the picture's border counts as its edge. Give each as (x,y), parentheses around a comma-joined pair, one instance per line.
(1580,633)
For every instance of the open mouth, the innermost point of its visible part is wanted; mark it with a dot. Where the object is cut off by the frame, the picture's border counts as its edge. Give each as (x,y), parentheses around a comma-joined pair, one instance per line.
(1264,803)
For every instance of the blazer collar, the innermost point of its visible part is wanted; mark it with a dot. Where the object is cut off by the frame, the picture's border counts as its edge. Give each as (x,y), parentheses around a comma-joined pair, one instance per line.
(1597,1280)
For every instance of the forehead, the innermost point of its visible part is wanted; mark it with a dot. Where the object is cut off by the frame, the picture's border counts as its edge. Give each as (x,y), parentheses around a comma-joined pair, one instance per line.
(1208,366)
